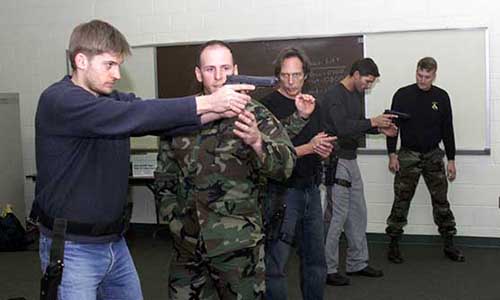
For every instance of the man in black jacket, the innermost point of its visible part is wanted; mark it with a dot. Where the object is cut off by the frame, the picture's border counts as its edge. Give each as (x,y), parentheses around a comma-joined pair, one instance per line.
(342,106)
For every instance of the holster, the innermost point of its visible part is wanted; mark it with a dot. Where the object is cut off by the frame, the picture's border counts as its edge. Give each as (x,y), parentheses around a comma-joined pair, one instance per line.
(53,274)
(274,218)
(330,170)
(330,173)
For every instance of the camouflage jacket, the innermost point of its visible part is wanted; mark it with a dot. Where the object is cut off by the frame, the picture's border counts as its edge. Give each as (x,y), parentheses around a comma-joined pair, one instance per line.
(294,124)
(208,182)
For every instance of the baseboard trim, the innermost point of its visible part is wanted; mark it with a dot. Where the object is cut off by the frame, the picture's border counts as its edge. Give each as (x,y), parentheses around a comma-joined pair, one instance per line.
(410,239)
(421,239)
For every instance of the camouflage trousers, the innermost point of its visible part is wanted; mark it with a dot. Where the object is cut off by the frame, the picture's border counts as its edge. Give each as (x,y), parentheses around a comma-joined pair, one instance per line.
(431,166)
(234,275)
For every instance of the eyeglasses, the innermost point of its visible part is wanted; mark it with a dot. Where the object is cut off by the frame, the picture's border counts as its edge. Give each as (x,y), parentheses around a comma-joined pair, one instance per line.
(294,76)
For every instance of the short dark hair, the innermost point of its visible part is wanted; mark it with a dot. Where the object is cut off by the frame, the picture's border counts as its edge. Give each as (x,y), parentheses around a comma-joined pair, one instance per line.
(427,63)
(94,38)
(209,44)
(365,67)
(292,52)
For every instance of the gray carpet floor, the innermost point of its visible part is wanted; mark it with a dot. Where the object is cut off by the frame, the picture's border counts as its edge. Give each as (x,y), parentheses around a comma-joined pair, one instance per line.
(426,273)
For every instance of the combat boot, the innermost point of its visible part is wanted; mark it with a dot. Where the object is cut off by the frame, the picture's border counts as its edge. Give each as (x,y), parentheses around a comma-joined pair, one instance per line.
(451,251)
(337,279)
(394,254)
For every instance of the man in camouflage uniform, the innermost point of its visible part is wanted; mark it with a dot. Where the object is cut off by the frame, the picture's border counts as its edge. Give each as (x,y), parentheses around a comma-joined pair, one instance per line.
(208,183)
(430,123)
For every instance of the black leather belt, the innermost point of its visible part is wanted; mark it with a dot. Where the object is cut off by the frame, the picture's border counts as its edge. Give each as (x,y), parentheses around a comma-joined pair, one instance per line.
(87,229)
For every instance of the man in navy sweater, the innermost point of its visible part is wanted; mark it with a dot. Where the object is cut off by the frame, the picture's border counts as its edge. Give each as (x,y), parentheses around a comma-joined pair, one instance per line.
(82,129)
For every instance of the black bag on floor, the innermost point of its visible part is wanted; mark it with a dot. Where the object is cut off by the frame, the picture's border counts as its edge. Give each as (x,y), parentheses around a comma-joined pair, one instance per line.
(12,233)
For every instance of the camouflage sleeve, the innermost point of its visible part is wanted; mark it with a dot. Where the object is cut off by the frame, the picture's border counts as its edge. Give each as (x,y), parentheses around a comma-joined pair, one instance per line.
(166,179)
(279,153)
(294,124)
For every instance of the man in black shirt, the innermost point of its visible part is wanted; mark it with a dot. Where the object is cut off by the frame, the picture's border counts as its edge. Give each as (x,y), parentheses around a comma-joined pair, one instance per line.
(342,106)
(431,122)
(293,209)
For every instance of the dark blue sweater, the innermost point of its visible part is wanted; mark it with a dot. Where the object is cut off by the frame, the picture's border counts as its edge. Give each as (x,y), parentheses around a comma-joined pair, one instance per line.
(83,147)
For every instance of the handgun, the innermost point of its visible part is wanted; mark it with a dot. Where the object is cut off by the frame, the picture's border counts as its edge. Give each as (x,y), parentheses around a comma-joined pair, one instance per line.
(258,81)
(401,116)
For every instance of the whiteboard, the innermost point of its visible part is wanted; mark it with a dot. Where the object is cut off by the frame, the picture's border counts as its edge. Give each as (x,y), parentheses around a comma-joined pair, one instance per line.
(138,76)
(462,71)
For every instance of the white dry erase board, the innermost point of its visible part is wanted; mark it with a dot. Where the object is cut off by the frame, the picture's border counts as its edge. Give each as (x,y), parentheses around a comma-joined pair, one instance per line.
(462,56)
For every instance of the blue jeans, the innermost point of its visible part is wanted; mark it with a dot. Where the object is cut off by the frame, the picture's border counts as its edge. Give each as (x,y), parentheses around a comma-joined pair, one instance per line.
(95,271)
(302,224)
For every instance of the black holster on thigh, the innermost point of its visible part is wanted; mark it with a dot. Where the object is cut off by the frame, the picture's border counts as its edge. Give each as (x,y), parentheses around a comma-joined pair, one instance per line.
(330,173)
(273,226)
(330,170)
(53,274)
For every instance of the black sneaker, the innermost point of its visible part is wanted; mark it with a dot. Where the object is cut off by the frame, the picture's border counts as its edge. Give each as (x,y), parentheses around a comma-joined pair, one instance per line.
(394,254)
(337,279)
(454,253)
(368,272)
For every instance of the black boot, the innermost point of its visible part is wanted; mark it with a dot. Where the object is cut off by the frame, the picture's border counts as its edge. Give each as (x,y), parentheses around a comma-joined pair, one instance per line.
(451,251)
(337,279)
(394,254)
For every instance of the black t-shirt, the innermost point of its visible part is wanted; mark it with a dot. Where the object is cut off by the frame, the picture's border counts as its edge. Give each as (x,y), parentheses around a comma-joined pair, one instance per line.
(431,120)
(307,166)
